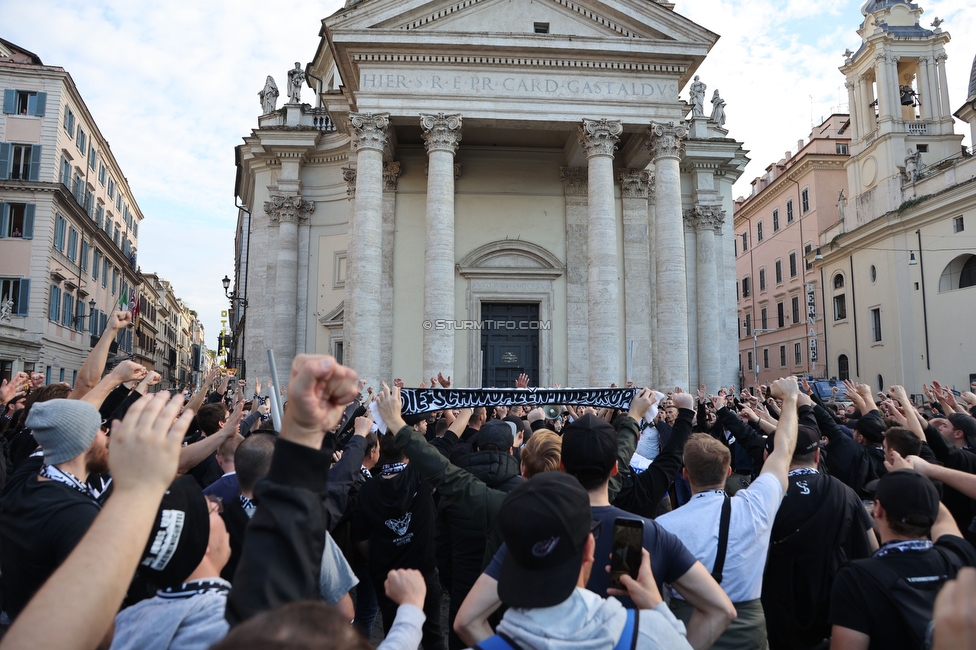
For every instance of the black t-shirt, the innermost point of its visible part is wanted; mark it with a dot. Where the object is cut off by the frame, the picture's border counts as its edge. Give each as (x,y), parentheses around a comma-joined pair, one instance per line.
(820,525)
(207,471)
(859,603)
(396,515)
(40,524)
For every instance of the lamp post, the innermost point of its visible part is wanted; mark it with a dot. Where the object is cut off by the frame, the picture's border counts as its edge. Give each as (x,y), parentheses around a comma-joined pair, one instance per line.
(230,343)
(755,354)
(91,312)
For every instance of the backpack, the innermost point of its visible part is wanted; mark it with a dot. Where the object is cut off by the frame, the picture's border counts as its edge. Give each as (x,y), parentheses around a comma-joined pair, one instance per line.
(627,641)
(914,605)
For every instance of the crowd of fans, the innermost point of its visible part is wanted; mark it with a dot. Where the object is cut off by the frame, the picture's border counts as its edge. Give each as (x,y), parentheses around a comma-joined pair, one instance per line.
(770,518)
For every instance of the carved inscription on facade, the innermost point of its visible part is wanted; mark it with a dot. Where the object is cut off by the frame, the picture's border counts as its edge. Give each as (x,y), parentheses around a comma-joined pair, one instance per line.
(505,84)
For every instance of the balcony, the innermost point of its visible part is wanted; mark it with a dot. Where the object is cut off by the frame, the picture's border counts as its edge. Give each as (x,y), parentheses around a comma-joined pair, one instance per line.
(917,128)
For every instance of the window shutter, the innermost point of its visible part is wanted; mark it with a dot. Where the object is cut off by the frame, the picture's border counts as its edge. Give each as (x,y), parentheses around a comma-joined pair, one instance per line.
(24,300)
(5,149)
(9,101)
(35,165)
(29,211)
(41,106)
(4,219)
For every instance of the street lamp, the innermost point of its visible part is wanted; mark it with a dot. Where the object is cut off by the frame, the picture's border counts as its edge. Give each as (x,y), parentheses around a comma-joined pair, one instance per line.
(226,283)
(755,354)
(91,312)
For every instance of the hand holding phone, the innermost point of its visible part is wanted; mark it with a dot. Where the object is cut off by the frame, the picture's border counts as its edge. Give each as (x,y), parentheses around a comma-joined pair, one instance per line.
(625,553)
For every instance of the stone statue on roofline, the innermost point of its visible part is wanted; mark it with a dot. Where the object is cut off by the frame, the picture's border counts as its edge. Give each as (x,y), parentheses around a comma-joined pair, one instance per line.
(269,96)
(6,309)
(697,93)
(296,79)
(718,109)
(913,165)
(841,205)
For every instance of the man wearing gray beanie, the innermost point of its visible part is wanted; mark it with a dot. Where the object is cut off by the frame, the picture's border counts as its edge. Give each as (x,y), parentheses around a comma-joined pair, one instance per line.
(44,517)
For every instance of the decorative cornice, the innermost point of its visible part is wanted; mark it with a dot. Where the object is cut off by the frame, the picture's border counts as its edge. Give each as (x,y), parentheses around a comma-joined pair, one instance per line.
(634,183)
(575,180)
(289,209)
(391,171)
(664,140)
(705,217)
(599,137)
(441,132)
(517,62)
(369,130)
(349,175)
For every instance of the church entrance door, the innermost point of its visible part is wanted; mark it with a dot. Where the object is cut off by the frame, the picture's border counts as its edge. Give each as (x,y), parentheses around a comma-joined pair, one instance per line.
(509,343)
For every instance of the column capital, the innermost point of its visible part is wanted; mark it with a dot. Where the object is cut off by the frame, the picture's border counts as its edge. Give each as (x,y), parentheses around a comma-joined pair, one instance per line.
(370,130)
(941,56)
(391,171)
(634,183)
(849,85)
(599,137)
(664,140)
(441,132)
(575,180)
(924,60)
(705,217)
(289,209)
(893,58)
(349,175)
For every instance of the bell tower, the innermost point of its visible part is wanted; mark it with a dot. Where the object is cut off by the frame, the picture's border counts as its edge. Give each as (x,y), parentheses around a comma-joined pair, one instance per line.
(899,103)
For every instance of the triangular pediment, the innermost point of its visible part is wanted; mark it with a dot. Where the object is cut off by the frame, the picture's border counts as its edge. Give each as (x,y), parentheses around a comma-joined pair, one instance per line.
(641,19)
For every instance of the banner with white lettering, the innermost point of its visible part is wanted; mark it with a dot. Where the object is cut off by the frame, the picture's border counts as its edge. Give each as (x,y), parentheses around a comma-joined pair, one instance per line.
(424,400)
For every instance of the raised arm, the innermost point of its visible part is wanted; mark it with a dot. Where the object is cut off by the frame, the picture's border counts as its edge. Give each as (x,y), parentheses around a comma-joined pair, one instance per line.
(91,370)
(197,400)
(145,448)
(124,372)
(193,455)
(778,462)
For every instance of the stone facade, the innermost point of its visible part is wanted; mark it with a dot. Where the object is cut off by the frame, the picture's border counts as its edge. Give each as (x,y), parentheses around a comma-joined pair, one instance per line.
(902,263)
(484,157)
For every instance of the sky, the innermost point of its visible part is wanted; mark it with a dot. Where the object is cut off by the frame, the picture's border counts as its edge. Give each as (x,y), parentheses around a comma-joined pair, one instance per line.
(173,87)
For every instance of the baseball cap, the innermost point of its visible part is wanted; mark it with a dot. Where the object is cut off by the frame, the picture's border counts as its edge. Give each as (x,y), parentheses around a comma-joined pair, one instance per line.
(495,432)
(905,493)
(871,426)
(807,440)
(545,523)
(180,534)
(589,448)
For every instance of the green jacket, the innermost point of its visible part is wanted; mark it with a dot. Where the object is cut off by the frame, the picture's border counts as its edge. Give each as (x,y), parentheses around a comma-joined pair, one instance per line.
(480,502)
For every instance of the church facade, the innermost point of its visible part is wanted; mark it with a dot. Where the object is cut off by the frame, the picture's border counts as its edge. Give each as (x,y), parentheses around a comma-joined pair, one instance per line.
(490,187)
(898,268)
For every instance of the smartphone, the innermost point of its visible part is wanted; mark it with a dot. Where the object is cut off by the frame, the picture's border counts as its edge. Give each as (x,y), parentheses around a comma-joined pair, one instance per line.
(625,554)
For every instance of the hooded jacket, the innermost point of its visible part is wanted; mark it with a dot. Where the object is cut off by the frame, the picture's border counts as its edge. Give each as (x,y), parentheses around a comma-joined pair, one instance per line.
(396,516)
(585,621)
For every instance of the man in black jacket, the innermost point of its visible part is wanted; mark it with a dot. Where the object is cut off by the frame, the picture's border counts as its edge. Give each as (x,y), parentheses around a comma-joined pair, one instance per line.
(820,525)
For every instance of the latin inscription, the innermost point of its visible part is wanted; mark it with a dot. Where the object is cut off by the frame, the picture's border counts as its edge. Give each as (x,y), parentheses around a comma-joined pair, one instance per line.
(495,84)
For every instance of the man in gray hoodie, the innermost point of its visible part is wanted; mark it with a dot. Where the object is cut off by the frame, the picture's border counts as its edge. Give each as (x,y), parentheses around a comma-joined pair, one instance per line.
(546,523)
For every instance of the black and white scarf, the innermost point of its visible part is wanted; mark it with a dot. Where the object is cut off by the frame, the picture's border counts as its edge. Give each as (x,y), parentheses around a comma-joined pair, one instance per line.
(424,400)
(196,588)
(905,545)
(392,468)
(54,474)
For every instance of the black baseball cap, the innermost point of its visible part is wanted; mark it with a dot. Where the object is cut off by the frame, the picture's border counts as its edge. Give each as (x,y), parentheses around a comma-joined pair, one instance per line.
(545,523)
(807,440)
(871,426)
(180,534)
(905,493)
(589,448)
(495,432)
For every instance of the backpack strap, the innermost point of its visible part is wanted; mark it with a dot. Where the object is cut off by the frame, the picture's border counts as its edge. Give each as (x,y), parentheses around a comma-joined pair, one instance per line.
(723,539)
(498,642)
(628,637)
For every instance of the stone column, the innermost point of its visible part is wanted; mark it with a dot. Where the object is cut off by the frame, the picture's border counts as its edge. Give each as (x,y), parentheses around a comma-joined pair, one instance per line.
(882,76)
(577,322)
(634,184)
(652,275)
(944,88)
(866,118)
(441,133)
(707,220)
(854,110)
(932,88)
(390,173)
(286,212)
(924,89)
(894,86)
(599,138)
(364,252)
(671,340)
(348,175)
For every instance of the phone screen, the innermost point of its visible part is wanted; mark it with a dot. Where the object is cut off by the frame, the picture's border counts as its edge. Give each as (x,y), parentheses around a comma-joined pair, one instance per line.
(625,555)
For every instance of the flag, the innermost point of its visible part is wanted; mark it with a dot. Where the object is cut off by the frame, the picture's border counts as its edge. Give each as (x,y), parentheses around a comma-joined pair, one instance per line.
(136,311)
(123,300)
